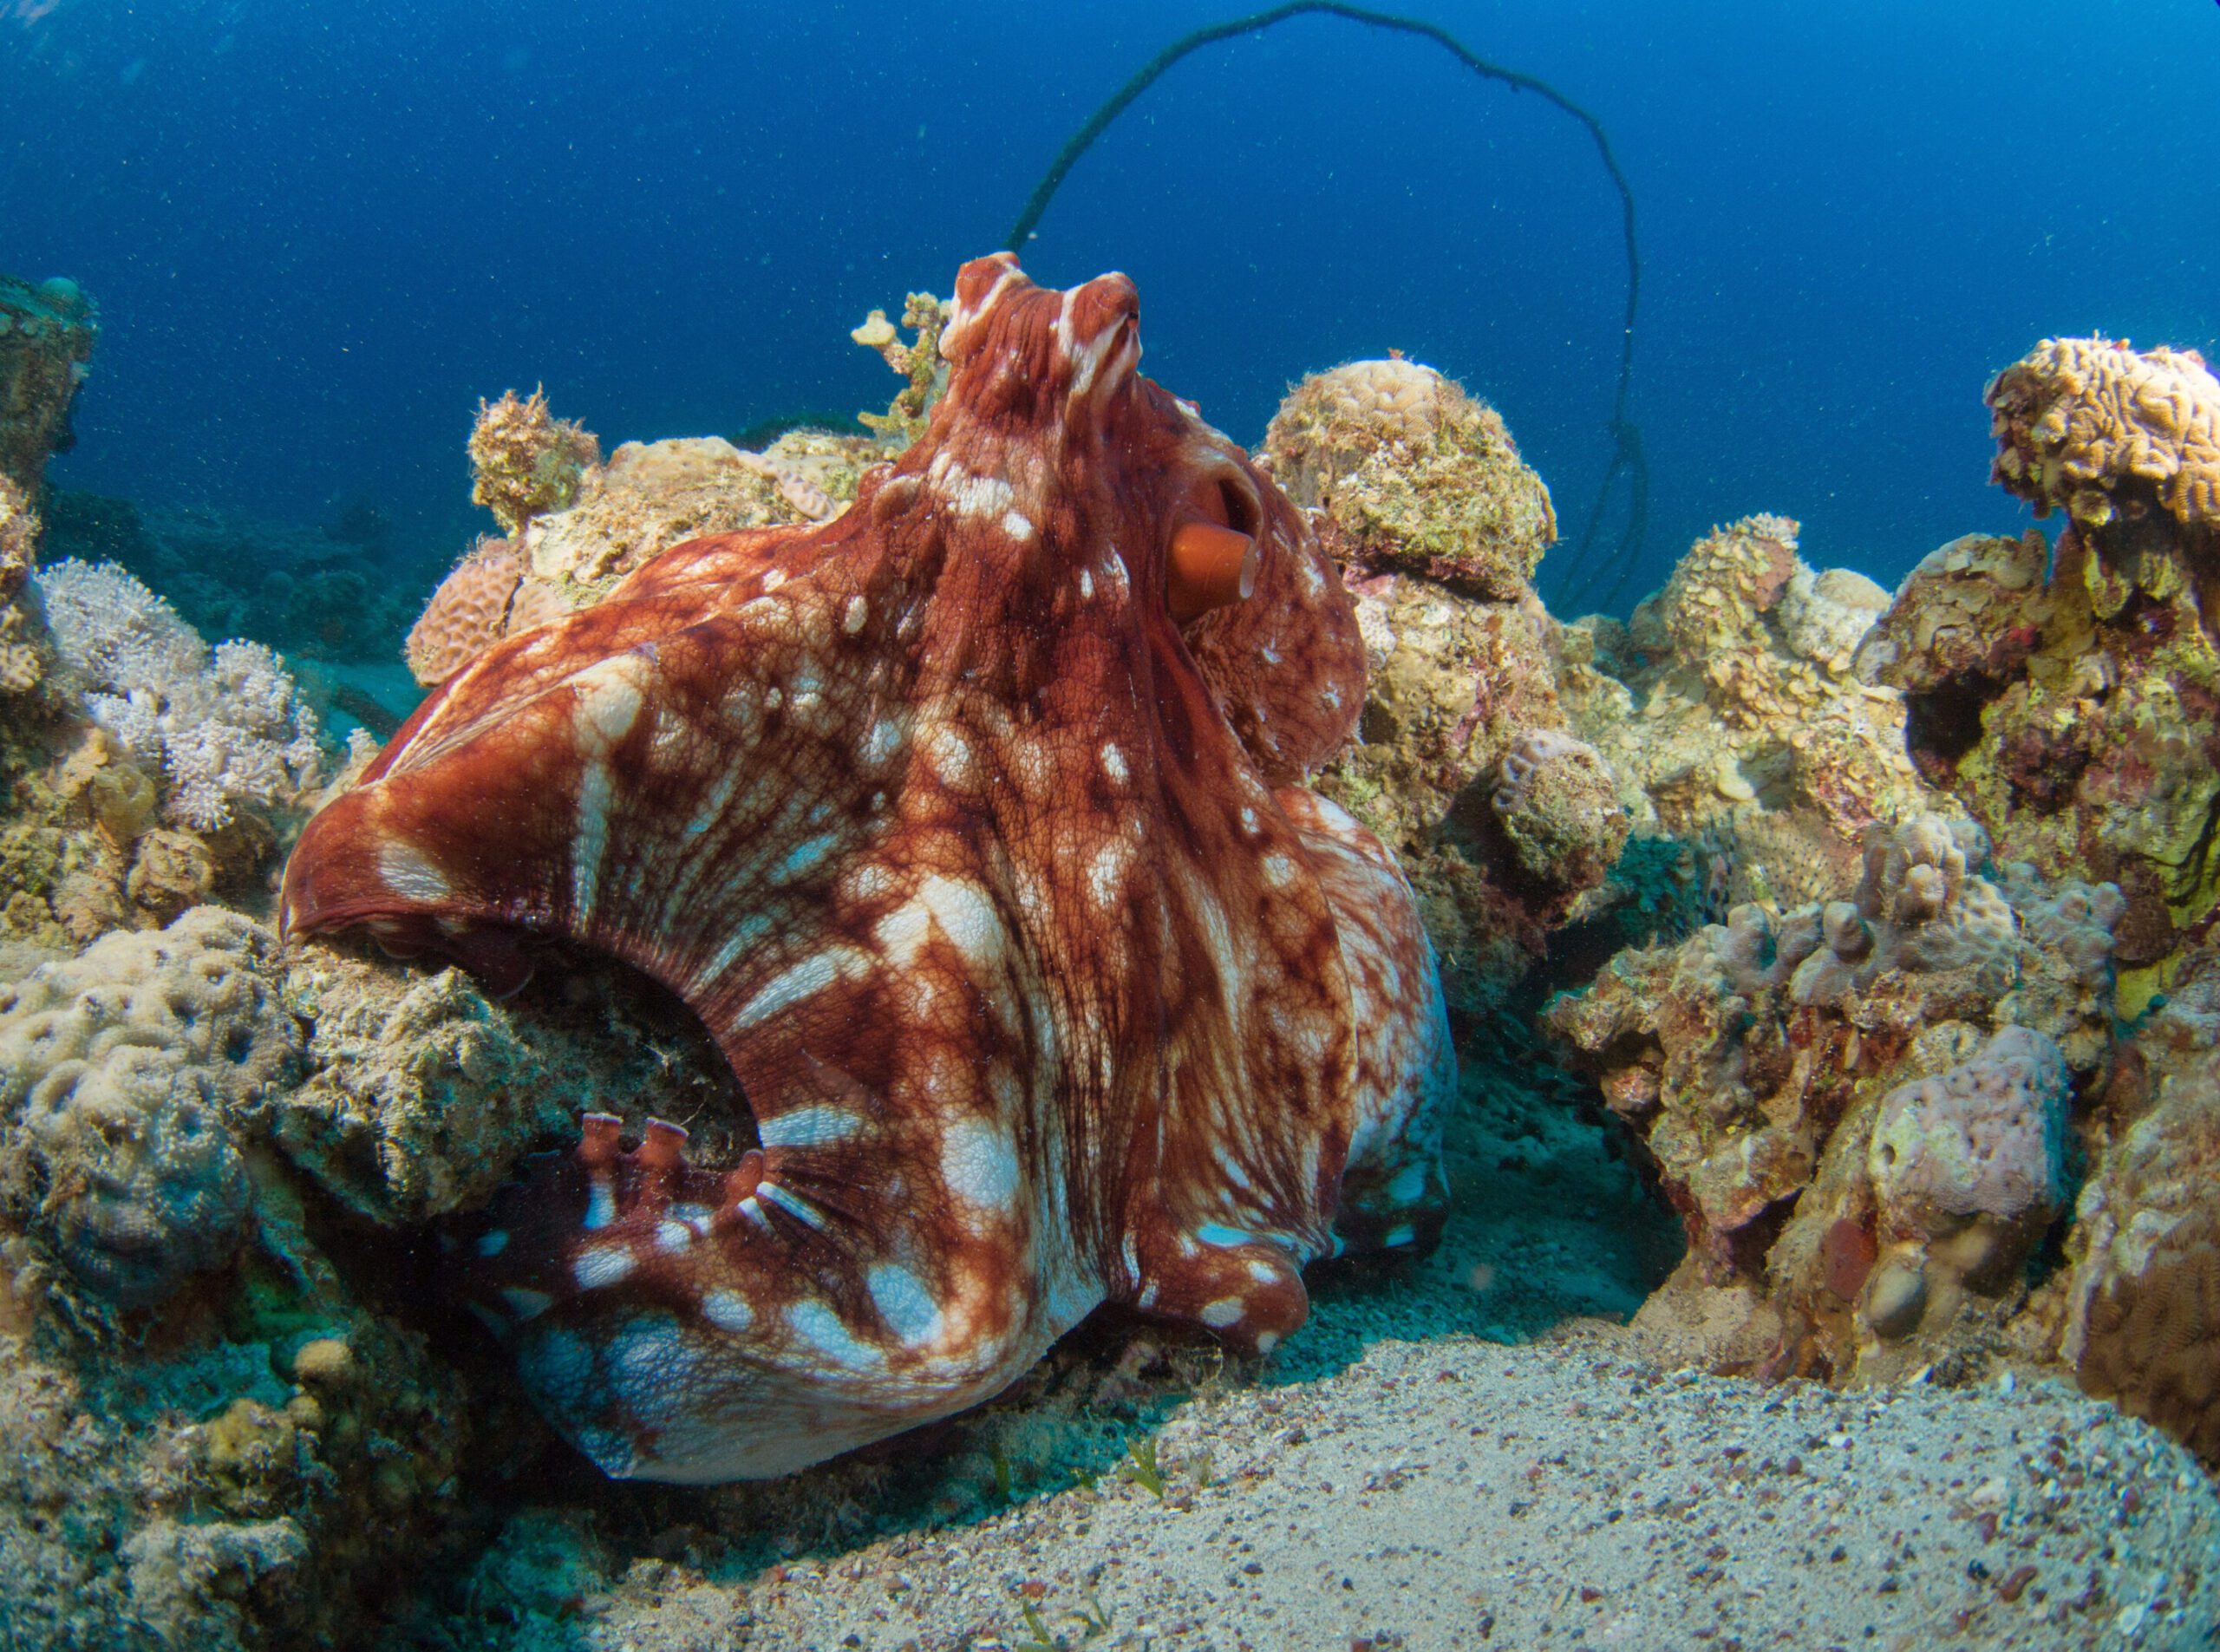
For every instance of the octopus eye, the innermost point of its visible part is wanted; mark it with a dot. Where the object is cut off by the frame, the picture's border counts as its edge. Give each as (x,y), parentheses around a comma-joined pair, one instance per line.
(1211,561)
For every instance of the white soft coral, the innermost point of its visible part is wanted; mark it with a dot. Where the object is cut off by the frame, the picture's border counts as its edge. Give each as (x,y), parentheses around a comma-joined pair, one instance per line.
(225,725)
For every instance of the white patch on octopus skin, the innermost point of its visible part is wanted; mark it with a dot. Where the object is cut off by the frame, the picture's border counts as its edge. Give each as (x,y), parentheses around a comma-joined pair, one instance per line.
(815,1324)
(598,1269)
(409,873)
(727,1310)
(978,1163)
(904,1303)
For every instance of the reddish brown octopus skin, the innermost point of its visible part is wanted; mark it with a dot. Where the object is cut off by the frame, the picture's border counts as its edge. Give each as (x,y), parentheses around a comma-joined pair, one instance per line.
(1046,983)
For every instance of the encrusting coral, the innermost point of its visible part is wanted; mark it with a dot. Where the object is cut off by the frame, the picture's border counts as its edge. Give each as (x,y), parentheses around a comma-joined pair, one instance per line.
(524,461)
(2078,716)
(25,652)
(1734,686)
(1760,1063)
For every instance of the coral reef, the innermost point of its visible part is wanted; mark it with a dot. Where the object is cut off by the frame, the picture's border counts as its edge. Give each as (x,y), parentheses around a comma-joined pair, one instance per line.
(525,463)
(1504,821)
(47,333)
(2078,716)
(1411,475)
(243,1446)
(119,1068)
(225,726)
(1812,1088)
(1734,687)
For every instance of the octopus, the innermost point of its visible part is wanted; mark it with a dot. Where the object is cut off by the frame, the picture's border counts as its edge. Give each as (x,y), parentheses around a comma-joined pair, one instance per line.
(970,825)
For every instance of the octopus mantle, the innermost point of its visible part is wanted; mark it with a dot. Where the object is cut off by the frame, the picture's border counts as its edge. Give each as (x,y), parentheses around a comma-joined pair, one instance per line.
(969,825)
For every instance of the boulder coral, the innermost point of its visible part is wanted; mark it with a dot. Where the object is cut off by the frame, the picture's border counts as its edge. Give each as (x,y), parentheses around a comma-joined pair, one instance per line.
(1755,1062)
(1557,801)
(2070,698)
(422,1094)
(1411,474)
(120,1070)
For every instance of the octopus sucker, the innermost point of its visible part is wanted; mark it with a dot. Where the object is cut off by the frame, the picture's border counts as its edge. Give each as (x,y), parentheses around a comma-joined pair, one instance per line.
(971,824)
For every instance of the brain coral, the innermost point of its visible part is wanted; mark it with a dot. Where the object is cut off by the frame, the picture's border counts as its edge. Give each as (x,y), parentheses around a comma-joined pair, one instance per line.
(121,1069)
(1417,476)
(2071,699)
(2098,429)
(467,614)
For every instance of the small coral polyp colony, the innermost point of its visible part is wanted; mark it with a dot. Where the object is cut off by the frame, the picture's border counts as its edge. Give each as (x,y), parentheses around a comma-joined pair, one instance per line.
(1880,926)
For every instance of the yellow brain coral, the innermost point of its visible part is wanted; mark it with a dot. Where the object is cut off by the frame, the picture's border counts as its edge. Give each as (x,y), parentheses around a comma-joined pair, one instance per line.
(2100,429)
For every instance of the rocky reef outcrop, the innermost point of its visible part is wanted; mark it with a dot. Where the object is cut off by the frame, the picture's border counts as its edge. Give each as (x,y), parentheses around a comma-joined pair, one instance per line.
(1464,762)
(1860,1107)
(2069,696)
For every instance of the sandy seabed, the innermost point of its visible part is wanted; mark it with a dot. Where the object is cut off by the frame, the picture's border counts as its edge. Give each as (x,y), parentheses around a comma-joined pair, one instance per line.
(1472,1452)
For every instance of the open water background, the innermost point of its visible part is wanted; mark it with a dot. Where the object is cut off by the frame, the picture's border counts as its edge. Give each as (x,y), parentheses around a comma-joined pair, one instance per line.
(319,233)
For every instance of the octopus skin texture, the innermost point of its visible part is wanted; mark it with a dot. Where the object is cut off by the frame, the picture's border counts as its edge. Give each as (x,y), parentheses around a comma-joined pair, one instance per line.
(969,825)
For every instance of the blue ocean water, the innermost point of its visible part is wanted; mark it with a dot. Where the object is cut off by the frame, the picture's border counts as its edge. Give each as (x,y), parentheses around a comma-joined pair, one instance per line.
(319,233)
